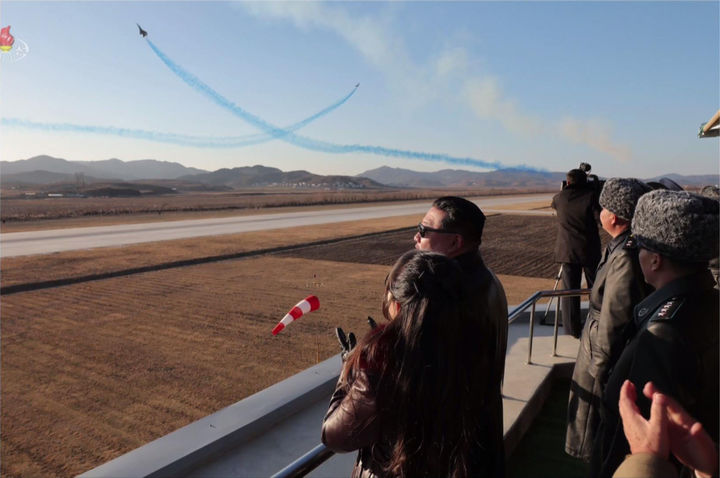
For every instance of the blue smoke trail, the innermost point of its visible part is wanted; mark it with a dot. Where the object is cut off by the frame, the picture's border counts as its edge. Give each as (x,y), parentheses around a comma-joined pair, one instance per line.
(178,139)
(309,143)
(181,140)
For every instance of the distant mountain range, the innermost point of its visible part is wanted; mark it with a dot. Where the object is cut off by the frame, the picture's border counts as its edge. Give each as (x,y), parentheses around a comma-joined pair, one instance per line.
(44,170)
(690,180)
(109,169)
(457,178)
(263,176)
(502,178)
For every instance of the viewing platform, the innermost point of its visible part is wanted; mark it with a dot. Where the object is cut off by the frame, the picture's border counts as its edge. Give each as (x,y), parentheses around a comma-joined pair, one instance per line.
(263,433)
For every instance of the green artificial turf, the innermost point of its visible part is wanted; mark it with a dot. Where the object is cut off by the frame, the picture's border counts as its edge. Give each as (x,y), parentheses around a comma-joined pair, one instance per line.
(541,453)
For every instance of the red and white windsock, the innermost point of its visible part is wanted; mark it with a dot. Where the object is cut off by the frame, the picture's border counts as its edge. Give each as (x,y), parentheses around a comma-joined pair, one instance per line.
(308,304)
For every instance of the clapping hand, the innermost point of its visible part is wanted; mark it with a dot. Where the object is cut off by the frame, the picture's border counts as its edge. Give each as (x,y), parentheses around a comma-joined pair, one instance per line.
(689,441)
(644,436)
(669,429)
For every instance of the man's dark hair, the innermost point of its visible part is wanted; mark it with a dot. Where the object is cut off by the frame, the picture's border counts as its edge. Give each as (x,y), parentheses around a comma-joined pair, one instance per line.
(576,176)
(463,217)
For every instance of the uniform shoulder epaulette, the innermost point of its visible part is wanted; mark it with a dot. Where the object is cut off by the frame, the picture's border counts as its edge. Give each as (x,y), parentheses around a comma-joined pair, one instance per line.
(668,310)
(631,243)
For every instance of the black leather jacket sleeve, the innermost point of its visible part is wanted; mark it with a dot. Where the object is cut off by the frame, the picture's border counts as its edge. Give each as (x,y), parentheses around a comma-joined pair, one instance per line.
(351,421)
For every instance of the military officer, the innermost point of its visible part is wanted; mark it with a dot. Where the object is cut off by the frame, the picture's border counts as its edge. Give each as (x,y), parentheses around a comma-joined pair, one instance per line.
(618,288)
(676,343)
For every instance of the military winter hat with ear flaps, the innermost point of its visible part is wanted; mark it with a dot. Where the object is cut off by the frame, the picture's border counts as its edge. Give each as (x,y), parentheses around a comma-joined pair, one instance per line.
(620,195)
(712,192)
(678,225)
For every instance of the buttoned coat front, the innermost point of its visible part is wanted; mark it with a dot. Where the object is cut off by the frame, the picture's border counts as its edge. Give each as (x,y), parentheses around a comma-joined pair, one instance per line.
(676,347)
(618,287)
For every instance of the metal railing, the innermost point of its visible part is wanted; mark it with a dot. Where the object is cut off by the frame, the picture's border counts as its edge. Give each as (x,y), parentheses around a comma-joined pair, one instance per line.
(318,455)
(532,301)
(306,463)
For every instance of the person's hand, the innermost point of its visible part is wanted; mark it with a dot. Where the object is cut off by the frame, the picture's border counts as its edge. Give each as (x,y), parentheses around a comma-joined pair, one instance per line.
(689,441)
(347,343)
(644,436)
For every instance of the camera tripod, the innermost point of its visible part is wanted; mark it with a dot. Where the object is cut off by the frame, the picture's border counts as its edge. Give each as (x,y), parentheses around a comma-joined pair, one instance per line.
(549,304)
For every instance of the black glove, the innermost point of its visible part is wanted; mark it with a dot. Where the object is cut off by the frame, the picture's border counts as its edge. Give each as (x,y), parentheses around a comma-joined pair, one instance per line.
(346,343)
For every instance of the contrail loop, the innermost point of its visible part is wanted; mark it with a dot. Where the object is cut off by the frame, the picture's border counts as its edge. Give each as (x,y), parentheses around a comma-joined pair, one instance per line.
(171,138)
(309,143)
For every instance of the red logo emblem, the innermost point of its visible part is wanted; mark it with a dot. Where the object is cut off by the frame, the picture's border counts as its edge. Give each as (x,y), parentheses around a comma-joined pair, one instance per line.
(6,39)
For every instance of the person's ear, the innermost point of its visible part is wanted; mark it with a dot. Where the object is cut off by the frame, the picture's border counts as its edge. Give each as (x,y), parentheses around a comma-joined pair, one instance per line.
(656,261)
(459,242)
(394,308)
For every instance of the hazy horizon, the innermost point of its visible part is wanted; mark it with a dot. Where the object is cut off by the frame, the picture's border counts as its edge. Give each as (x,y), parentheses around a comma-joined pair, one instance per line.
(594,171)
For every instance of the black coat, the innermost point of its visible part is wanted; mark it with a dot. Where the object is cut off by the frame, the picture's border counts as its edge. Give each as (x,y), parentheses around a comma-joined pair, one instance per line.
(489,297)
(619,286)
(578,240)
(676,348)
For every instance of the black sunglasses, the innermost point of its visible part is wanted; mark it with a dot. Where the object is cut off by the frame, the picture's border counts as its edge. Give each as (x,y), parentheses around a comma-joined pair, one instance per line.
(423,230)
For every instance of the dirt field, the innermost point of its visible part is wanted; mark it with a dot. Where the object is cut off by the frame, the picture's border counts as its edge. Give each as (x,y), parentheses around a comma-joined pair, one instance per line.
(527,206)
(27,210)
(93,370)
(513,245)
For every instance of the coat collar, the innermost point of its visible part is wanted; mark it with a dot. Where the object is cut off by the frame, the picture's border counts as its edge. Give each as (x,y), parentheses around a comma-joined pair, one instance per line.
(612,247)
(618,241)
(469,259)
(682,286)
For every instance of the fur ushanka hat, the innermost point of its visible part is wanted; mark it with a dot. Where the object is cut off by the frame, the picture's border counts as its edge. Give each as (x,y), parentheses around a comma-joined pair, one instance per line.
(678,225)
(620,196)
(712,192)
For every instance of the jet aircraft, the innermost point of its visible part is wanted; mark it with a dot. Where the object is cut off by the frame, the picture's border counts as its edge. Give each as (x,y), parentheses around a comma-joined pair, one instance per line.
(142,32)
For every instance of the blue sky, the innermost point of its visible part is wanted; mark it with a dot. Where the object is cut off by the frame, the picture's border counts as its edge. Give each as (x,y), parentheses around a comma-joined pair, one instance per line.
(621,85)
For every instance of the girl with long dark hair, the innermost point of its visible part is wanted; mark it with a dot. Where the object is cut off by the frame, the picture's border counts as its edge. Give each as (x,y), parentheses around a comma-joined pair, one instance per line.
(412,395)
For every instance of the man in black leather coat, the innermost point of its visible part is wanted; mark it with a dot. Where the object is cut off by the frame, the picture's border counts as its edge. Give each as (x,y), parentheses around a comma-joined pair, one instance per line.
(675,342)
(618,287)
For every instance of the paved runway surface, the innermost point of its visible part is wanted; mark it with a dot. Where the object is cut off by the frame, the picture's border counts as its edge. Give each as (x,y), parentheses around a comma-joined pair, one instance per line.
(56,240)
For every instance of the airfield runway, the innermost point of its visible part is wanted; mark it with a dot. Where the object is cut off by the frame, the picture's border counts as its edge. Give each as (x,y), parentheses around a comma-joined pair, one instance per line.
(57,240)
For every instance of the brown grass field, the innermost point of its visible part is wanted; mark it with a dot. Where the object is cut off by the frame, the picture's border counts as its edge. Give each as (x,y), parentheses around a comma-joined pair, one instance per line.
(24,209)
(93,370)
